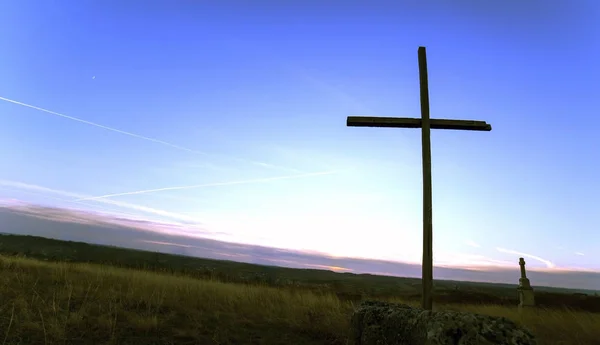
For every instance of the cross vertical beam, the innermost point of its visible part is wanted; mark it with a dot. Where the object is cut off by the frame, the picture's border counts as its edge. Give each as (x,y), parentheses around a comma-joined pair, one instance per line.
(427,265)
(426,124)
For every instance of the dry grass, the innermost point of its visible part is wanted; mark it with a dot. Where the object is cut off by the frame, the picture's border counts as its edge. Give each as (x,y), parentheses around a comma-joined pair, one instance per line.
(60,303)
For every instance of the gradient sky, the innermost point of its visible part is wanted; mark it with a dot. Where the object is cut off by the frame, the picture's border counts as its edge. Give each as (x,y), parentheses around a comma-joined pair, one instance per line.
(114,97)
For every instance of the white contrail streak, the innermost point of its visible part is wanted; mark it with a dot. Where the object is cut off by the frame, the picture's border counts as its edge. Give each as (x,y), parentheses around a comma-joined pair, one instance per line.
(80,197)
(473,244)
(268,179)
(95,207)
(112,129)
(548,263)
(303,74)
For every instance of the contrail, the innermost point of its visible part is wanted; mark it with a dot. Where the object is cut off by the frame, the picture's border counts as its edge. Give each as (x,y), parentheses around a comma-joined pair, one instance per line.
(548,263)
(301,73)
(80,197)
(96,207)
(473,244)
(211,185)
(178,147)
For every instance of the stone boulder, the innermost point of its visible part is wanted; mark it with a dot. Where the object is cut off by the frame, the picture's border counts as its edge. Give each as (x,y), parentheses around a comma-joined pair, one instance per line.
(382,323)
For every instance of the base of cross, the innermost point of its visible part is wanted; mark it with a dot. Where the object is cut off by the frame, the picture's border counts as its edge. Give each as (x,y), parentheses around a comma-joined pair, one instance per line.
(526,297)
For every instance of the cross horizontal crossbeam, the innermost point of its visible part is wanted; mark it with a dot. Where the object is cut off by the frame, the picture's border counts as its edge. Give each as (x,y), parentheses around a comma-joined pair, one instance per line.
(407,122)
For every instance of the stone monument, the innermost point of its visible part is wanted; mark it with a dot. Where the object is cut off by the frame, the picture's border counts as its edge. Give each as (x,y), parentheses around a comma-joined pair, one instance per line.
(525,291)
(377,322)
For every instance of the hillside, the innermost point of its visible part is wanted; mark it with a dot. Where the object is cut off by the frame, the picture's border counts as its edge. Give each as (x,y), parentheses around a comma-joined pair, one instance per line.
(347,286)
(170,299)
(82,226)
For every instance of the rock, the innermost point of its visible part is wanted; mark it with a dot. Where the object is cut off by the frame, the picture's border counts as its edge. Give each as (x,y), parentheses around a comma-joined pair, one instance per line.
(382,323)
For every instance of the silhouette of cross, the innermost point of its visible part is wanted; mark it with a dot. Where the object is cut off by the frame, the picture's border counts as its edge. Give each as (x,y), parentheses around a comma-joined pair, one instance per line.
(425,123)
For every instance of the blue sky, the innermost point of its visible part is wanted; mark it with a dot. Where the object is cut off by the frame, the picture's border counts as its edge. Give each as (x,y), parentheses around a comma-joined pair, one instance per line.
(248,104)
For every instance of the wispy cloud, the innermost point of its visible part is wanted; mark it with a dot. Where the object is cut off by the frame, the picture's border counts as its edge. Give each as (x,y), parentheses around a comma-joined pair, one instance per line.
(300,72)
(469,261)
(81,197)
(154,140)
(268,179)
(579,253)
(330,89)
(472,244)
(548,263)
(167,243)
(201,165)
(110,210)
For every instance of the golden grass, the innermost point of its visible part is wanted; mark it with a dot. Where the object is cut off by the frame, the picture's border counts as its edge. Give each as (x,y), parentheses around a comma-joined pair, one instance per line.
(60,303)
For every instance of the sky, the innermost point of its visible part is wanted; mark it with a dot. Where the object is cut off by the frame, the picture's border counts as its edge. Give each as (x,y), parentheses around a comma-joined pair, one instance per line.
(232,116)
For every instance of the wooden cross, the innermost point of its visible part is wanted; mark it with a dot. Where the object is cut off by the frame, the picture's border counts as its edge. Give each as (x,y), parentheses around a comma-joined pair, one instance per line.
(425,123)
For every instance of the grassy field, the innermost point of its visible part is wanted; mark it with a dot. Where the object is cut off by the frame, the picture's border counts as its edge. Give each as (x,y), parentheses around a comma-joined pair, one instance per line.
(45,302)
